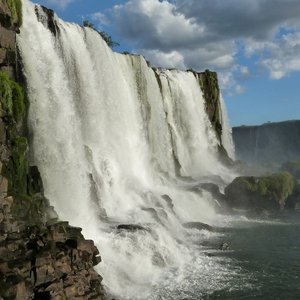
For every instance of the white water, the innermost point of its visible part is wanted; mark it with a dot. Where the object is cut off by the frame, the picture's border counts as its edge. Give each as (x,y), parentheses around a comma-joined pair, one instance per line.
(227,139)
(109,142)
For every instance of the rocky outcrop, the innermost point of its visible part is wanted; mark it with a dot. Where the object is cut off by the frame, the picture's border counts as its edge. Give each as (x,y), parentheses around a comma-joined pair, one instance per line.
(209,84)
(45,260)
(131,227)
(292,167)
(40,256)
(208,81)
(270,143)
(10,20)
(49,21)
(293,201)
(260,193)
(198,226)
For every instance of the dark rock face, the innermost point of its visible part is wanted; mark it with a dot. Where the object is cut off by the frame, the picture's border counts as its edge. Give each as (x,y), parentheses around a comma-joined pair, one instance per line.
(8,32)
(47,18)
(131,227)
(271,143)
(213,189)
(260,193)
(208,81)
(45,259)
(210,87)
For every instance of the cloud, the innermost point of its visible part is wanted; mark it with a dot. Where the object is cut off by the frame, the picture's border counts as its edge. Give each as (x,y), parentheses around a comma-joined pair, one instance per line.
(284,56)
(202,34)
(60,3)
(100,18)
(172,59)
(156,25)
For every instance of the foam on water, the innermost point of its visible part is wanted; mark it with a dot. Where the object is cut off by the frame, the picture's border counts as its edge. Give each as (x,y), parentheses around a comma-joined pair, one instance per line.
(119,143)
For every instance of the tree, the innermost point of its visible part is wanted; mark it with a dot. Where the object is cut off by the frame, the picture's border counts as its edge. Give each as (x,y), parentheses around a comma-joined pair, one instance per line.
(106,37)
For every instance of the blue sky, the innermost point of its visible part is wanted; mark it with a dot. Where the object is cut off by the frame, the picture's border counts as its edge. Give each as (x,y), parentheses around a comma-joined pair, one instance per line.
(254,45)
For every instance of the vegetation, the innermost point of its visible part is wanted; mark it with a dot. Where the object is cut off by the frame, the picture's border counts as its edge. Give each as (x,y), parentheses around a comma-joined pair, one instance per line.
(277,186)
(292,167)
(15,7)
(12,106)
(17,168)
(269,191)
(209,85)
(107,38)
(12,98)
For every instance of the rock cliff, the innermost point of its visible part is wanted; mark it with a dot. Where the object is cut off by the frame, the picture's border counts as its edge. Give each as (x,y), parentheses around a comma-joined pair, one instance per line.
(270,143)
(40,256)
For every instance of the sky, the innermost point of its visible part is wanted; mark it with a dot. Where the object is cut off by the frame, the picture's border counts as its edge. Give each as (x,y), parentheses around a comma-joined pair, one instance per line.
(254,45)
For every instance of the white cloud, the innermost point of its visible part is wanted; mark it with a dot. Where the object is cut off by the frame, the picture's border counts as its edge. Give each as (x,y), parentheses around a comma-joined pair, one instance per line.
(239,89)
(245,71)
(156,24)
(203,34)
(61,3)
(280,56)
(172,59)
(100,18)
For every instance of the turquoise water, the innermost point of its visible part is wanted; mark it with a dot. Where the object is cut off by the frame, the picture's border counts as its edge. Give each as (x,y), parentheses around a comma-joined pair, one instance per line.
(268,254)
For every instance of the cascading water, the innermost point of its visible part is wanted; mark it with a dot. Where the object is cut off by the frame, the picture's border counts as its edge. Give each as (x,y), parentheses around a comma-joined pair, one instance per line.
(119,143)
(227,131)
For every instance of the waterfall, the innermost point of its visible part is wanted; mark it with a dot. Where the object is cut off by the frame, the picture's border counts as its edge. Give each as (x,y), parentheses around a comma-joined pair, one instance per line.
(117,142)
(227,139)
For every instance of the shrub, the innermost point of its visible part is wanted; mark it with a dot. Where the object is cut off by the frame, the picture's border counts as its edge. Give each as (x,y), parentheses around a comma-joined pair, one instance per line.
(15,7)
(106,37)
(12,98)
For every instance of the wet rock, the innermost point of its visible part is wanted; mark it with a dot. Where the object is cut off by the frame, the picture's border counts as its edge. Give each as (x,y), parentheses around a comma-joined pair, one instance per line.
(131,227)
(198,226)
(8,38)
(293,201)
(169,201)
(213,189)
(3,185)
(260,193)
(49,21)
(34,184)
(224,246)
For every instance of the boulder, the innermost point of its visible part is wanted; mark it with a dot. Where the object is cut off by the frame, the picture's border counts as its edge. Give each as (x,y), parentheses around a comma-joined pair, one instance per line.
(292,167)
(260,193)
(224,246)
(198,226)
(293,200)
(8,38)
(131,227)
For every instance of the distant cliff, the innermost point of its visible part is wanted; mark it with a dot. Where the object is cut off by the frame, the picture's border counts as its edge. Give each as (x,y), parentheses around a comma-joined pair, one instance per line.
(270,143)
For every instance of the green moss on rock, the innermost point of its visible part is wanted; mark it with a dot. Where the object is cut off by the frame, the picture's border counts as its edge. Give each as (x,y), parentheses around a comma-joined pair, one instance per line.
(17,168)
(292,167)
(15,7)
(267,192)
(12,98)
(209,85)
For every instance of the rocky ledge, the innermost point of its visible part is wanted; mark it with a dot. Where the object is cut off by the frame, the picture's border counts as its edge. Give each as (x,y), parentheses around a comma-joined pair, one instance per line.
(48,260)
(51,261)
